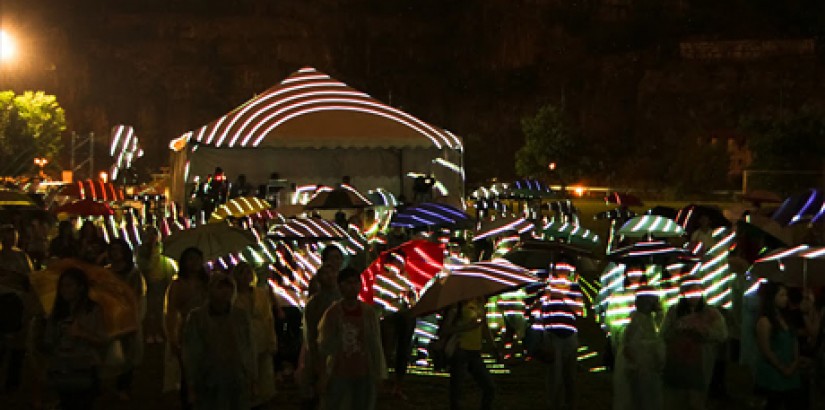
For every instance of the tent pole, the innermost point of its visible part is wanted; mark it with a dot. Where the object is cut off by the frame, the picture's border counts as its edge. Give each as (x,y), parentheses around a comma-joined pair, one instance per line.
(401,171)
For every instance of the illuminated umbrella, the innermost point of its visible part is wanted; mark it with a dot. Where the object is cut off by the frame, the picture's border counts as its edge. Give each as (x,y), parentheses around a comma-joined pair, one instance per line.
(307,229)
(572,233)
(689,216)
(651,225)
(623,199)
(799,266)
(214,240)
(380,197)
(428,215)
(804,207)
(761,227)
(16,200)
(342,197)
(86,207)
(115,297)
(651,253)
(238,208)
(503,226)
(466,282)
(540,254)
(422,260)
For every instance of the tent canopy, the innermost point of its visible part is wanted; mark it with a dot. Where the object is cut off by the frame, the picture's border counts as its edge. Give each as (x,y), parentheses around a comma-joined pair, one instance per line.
(309,109)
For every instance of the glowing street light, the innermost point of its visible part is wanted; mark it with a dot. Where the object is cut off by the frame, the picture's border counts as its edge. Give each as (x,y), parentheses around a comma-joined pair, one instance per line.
(104,176)
(551,166)
(7,47)
(41,162)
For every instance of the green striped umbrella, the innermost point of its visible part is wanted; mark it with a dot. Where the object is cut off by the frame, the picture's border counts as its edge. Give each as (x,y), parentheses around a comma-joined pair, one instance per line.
(651,225)
(572,233)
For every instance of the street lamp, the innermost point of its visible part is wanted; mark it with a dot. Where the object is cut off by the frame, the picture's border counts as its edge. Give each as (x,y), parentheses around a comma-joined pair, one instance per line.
(41,162)
(7,47)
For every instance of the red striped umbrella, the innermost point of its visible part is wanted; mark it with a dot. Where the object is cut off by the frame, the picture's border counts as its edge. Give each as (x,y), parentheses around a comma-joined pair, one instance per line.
(422,260)
(86,207)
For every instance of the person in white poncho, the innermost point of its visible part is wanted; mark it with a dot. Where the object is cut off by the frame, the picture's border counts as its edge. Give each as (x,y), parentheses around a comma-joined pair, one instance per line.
(637,379)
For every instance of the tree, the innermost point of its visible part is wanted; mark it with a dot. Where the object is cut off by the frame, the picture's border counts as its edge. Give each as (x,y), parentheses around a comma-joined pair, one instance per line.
(794,141)
(549,139)
(30,126)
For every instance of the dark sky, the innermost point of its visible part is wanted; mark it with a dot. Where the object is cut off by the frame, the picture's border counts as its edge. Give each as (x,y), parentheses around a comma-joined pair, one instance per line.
(474,67)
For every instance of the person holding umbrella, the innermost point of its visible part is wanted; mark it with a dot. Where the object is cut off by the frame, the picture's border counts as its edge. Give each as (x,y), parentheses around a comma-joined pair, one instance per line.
(555,312)
(467,322)
(641,357)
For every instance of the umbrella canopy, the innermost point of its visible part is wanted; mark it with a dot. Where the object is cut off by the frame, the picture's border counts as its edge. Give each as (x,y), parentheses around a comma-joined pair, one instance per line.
(799,266)
(422,261)
(238,208)
(428,215)
(760,227)
(617,213)
(308,229)
(805,207)
(466,282)
(623,199)
(115,296)
(380,197)
(665,211)
(214,240)
(86,207)
(651,225)
(16,200)
(341,197)
(572,233)
(650,253)
(540,254)
(503,226)
(689,216)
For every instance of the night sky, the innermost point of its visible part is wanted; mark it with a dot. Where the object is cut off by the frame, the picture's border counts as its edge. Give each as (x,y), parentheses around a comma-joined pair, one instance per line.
(628,73)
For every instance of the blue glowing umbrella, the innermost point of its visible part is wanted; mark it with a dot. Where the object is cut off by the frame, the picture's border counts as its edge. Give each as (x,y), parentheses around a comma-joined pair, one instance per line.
(429,215)
(805,207)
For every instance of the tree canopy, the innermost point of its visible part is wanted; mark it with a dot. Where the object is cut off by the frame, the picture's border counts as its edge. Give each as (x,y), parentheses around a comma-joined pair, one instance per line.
(30,126)
(549,138)
(793,141)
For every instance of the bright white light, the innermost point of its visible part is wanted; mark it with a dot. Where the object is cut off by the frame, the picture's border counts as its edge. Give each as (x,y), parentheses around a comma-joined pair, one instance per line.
(7,47)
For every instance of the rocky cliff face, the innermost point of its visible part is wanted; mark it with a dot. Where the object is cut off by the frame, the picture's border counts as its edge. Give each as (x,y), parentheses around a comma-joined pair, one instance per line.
(630,72)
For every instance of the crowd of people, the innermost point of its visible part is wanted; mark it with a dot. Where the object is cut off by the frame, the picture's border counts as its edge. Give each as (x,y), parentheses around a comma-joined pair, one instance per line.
(230,341)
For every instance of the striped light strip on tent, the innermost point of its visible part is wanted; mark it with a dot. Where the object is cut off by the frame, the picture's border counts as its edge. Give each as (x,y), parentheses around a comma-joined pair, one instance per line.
(304,92)
(123,148)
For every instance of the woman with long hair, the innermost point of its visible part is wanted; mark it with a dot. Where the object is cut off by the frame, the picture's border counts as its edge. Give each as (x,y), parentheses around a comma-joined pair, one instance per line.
(186,292)
(692,331)
(122,264)
(75,339)
(777,367)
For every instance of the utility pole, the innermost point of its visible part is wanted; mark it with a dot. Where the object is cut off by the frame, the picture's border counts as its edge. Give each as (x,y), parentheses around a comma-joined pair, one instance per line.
(78,159)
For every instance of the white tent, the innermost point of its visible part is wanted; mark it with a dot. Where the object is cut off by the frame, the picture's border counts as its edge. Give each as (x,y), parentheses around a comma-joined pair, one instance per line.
(313,129)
